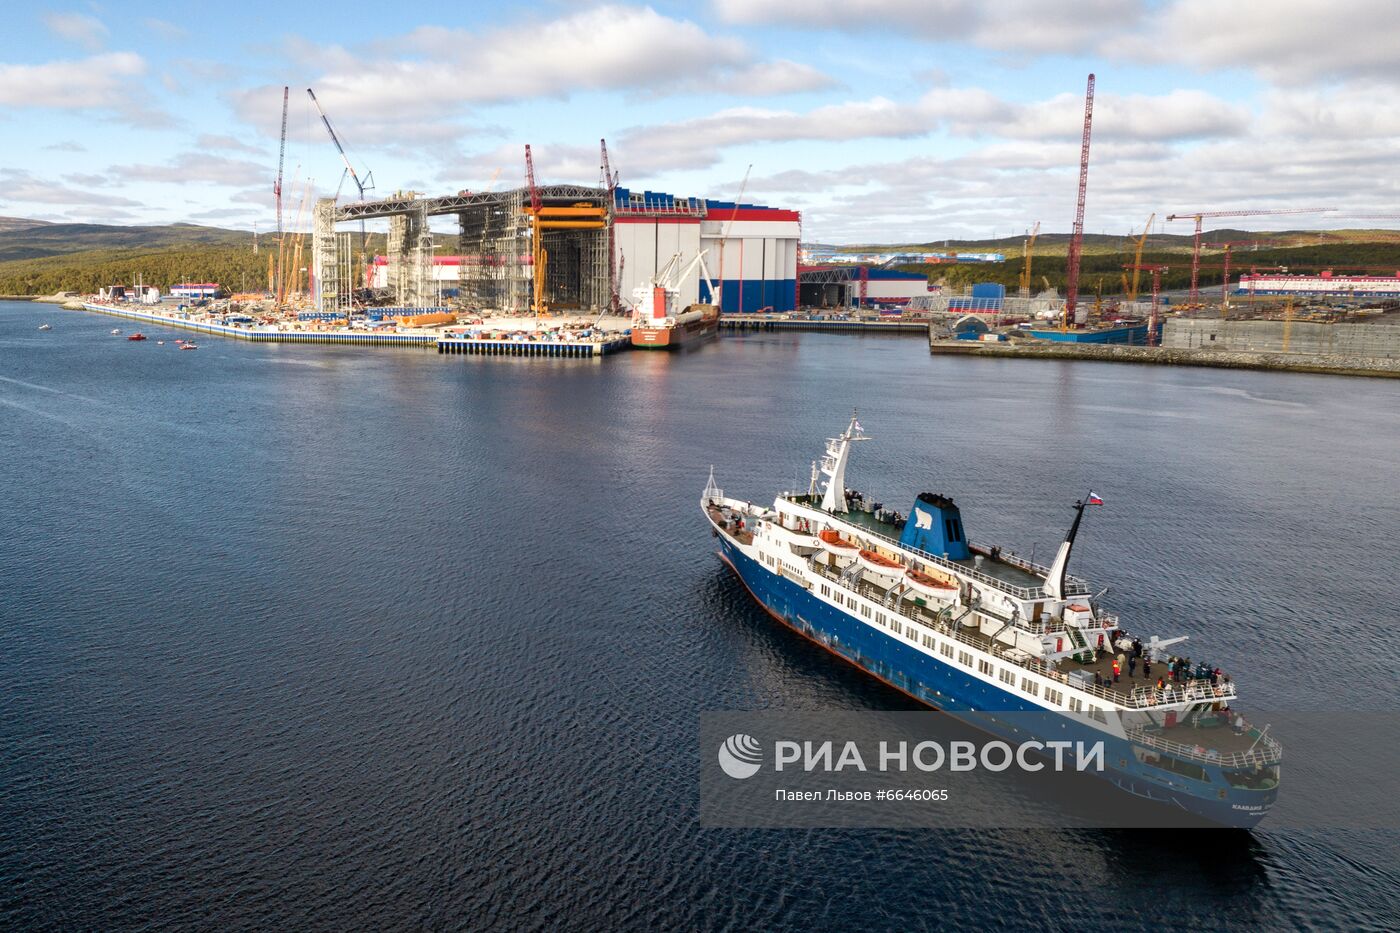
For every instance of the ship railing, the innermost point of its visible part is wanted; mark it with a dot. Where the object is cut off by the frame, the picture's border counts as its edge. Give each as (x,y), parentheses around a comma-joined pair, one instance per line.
(1265,750)
(1173,694)
(1073,586)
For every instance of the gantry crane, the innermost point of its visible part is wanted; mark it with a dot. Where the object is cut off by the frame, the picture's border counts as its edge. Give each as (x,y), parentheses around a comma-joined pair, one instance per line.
(1027,249)
(542,218)
(1194,300)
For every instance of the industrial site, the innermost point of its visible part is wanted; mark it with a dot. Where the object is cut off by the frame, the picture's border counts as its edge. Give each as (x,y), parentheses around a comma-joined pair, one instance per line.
(552,269)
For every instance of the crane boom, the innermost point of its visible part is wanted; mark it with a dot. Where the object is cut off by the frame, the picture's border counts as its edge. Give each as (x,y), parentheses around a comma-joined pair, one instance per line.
(724,240)
(281,158)
(1137,256)
(1076,243)
(1026,269)
(361,186)
(1196,240)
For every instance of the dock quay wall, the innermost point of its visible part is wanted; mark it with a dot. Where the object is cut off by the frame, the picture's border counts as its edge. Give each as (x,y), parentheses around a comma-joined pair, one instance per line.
(1304,337)
(770,322)
(1174,356)
(265,336)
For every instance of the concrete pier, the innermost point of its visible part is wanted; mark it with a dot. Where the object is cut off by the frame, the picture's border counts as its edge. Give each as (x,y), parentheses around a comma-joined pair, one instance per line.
(569,349)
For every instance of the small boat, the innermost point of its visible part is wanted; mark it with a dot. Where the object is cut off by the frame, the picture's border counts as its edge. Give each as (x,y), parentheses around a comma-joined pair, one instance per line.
(137,336)
(160,343)
(879,563)
(178,341)
(930,586)
(833,543)
(189,346)
(116,330)
(45,327)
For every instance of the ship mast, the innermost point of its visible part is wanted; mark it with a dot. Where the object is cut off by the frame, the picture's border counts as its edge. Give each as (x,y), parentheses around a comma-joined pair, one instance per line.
(833,465)
(1055,579)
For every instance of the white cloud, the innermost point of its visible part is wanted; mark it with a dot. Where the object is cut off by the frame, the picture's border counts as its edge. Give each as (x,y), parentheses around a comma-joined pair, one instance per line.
(1288,42)
(196,167)
(166,30)
(222,143)
(965,112)
(78,28)
(20,186)
(417,86)
(100,81)
(1029,25)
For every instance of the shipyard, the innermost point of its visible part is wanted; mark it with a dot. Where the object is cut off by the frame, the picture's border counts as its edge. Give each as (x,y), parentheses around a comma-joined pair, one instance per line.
(741,465)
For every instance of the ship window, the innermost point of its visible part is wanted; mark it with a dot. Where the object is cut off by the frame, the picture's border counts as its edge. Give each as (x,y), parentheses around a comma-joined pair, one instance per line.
(985,667)
(1053,696)
(1076,704)
(1030,686)
(965,658)
(1174,765)
(1008,676)
(897,628)
(947,649)
(1097,713)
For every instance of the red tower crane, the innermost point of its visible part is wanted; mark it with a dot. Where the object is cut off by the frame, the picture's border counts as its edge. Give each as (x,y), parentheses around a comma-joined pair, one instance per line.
(1225,279)
(1076,242)
(281,158)
(864,284)
(1156,271)
(1194,299)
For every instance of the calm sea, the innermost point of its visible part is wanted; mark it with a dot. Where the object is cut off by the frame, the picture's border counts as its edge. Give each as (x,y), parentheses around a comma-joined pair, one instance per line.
(323,638)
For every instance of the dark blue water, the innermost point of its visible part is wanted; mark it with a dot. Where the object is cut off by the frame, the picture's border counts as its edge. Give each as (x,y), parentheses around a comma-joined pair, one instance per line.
(319,638)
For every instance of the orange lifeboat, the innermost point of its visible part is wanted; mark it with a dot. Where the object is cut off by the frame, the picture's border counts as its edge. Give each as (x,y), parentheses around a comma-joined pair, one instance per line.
(930,586)
(879,563)
(833,543)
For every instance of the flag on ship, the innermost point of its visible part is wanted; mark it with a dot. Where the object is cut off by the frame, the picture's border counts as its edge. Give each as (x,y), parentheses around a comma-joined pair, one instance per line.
(1094,499)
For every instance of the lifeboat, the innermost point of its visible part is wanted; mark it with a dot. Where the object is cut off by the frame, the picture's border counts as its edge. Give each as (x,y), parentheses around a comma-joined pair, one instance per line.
(833,543)
(189,346)
(879,563)
(926,585)
(137,336)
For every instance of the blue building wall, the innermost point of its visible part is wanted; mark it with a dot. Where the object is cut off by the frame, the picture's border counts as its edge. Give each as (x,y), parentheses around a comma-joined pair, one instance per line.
(758,295)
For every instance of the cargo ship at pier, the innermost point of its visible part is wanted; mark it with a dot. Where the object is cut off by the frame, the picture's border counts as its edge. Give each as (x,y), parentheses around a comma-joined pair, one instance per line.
(658,323)
(965,628)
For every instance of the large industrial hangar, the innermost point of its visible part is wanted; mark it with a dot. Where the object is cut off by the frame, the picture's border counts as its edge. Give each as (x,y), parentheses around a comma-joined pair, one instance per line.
(750,250)
(846,286)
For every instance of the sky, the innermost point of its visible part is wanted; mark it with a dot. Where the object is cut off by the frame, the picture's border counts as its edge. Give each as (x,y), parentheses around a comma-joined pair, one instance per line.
(882,121)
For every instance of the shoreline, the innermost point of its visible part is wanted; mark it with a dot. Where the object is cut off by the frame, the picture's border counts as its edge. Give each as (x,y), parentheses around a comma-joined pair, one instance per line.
(1378,367)
(442,343)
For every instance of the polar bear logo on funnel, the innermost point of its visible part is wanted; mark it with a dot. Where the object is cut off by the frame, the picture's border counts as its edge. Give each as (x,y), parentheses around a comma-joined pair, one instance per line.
(922,519)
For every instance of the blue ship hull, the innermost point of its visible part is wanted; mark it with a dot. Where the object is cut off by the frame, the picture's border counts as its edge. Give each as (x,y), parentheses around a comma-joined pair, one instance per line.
(942,686)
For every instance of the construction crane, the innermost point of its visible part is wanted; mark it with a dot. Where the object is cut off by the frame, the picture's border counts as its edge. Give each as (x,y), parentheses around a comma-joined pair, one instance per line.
(281,158)
(538,257)
(542,218)
(1027,247)
(1156,271)
(1194,299)
(361,186)
(1227,245)
(1076,242)
(724,240)
(609,183)
(1137,257)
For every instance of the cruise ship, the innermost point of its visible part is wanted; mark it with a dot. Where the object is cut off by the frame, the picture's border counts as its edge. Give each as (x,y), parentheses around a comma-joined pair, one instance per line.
(967,628)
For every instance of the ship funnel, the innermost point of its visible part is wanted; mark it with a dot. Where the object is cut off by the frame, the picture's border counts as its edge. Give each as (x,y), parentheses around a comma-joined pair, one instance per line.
(935,527)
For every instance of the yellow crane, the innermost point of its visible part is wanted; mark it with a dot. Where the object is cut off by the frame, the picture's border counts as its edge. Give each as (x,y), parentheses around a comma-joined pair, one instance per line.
(1027,247)
(1137,257)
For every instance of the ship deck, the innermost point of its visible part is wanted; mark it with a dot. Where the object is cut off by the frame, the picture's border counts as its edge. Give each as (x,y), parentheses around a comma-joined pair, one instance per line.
(1001,570)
